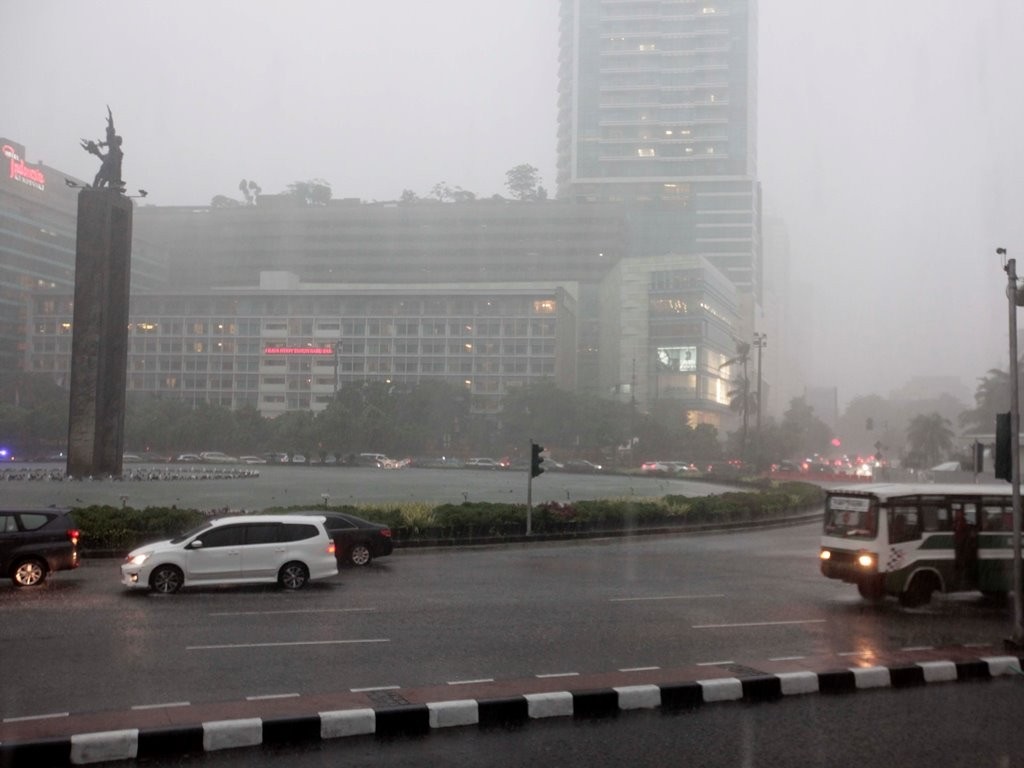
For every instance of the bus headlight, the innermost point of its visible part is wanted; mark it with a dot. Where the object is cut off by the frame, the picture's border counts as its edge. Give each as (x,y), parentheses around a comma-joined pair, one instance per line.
(866,561)
(825,554)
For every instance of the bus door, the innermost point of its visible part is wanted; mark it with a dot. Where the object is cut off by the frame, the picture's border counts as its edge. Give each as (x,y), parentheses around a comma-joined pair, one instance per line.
(965,544)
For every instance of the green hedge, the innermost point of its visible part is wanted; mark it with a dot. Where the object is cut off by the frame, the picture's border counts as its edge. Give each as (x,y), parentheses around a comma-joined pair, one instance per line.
(113,529)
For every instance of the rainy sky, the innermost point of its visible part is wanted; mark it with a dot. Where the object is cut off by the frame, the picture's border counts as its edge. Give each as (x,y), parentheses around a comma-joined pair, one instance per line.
(888,135)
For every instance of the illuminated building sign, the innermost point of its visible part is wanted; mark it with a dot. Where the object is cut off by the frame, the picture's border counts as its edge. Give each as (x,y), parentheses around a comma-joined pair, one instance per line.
(678,359)
(298,351)
(26,174)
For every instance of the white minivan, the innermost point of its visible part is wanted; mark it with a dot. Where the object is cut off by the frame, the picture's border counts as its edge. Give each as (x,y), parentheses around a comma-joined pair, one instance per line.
(244,549)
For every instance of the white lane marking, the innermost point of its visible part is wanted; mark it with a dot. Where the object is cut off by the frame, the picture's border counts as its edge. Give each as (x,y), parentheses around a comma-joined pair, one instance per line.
(285,645)
(853,653)
(977,645)
(161,706)
(376,688)
(639,669)
(559,674)
(269,696)
(918,648)
(26,718)
(758,624)
(788,658)
(470,682)
(714,663)
(283,613)
(661,597)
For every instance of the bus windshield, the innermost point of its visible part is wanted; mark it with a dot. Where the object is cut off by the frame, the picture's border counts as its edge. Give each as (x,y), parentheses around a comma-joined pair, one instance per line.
(850,516)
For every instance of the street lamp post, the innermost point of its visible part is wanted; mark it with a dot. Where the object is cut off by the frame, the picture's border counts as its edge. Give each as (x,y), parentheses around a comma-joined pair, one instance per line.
(760,341)
(1017,640)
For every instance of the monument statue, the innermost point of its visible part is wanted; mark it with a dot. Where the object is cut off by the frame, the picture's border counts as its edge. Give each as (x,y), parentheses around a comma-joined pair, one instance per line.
(109,174)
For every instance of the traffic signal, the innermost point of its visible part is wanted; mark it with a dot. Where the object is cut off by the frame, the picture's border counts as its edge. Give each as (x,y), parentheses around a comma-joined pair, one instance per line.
(1004,461)
(536,459)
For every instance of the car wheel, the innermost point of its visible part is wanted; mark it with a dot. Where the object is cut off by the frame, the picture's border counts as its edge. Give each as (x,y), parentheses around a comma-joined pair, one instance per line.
(29,573)
(360,555)
(166,579)
(293,576)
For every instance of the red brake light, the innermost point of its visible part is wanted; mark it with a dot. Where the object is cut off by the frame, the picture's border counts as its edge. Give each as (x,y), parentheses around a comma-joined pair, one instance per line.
(73,534)
(386,533)
(330,547)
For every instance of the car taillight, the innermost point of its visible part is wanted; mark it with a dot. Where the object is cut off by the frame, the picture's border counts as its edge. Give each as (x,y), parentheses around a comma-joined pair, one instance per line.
(73,534)
(330,547)
(386,533)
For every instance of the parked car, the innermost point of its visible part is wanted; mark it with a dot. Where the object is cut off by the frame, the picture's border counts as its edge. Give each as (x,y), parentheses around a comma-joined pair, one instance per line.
(656,468)
(371,460)
(36,542)
(242,549)
(356,541)
(189,458)
(252,460)
(217,457)
(682,467)
(481,463)
(582,466)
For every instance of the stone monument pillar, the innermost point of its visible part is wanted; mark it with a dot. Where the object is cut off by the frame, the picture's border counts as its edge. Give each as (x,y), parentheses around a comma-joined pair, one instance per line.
(99,341)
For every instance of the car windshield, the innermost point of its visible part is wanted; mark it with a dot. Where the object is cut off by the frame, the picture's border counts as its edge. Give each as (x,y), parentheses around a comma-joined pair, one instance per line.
(453,275)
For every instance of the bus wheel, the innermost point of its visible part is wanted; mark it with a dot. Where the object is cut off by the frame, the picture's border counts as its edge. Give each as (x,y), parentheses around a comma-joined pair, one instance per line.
(872,589)
(918,591)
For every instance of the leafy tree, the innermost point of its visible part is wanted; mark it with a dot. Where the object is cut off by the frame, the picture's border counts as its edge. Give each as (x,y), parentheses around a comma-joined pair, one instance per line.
(443,192)
(523,182)
(315,192)
(930,439)
(803,433)
(250,191)
(740,395)
(991,397)
(223,201)
(408,196)
(294,432)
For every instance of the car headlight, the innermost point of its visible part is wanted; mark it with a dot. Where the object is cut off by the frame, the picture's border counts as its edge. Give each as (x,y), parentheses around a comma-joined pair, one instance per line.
(138,559)
(866,560)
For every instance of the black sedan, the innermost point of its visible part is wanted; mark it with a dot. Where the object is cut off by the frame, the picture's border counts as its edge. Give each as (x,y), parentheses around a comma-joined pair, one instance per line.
(356,541)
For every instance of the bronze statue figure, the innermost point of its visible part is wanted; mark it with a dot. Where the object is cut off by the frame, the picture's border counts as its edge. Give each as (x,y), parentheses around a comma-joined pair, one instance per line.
(109,174)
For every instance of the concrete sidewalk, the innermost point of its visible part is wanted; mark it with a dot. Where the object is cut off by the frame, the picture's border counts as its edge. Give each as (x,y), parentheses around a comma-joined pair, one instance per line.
(96,737)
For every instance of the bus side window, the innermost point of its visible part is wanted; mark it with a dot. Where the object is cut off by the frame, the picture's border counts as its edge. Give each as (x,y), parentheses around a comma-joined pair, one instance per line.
(993,519)
(935,519)
(904,524)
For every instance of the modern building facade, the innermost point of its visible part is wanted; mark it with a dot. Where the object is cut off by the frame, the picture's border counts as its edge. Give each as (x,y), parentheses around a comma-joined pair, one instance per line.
(286,346)
(38,220)
(657,110)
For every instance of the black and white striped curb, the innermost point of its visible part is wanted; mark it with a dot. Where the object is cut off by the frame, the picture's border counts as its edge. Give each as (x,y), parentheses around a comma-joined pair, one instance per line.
(418,719)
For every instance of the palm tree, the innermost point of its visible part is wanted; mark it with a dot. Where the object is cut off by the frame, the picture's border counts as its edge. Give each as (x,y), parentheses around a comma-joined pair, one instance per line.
(742,356)
(930,438)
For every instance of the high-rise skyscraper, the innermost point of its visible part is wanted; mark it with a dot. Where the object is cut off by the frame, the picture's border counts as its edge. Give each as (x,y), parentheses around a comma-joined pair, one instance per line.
(657,109)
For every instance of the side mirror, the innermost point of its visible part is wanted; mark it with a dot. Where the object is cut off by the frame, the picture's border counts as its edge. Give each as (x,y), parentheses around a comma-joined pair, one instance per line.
(195,544)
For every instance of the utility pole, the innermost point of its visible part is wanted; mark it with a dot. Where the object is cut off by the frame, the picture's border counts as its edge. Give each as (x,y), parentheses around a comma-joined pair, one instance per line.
(760,341)
(1017,639)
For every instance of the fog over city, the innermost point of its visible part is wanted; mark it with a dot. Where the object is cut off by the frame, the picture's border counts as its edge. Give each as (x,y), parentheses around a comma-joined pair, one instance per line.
(888,136)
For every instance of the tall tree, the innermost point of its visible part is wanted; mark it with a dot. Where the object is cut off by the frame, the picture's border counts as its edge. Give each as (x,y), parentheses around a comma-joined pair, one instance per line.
(991,397)
(313,192)
(742,358)
(930,439)
(523,182)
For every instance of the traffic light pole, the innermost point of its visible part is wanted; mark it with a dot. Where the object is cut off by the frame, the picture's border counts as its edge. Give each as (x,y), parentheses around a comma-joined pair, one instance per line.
(529,498)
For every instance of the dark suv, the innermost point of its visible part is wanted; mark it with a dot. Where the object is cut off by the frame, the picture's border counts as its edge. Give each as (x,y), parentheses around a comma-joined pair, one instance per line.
(36,542)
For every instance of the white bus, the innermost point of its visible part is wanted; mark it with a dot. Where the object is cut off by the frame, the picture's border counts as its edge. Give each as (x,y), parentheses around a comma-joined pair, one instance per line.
(910,540)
